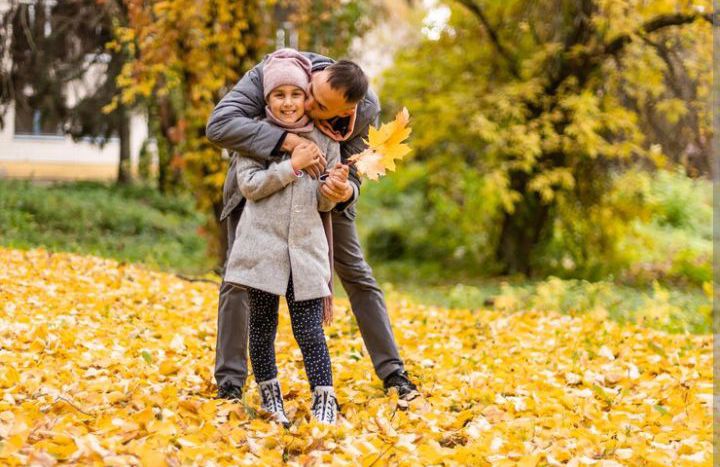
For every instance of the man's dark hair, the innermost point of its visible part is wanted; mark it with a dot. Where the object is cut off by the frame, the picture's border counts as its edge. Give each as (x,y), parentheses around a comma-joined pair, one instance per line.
(348,77)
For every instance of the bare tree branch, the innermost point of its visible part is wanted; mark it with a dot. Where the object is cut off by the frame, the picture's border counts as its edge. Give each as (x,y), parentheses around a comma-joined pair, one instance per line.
(653,25)
(586,62)
(505,53)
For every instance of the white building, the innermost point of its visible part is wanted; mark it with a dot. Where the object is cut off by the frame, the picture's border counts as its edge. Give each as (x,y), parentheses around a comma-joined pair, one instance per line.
(34,149)
(42,155)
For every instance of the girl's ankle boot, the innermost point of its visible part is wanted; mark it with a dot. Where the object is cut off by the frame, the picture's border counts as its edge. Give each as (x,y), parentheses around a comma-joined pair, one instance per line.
(324,405)
(272,401)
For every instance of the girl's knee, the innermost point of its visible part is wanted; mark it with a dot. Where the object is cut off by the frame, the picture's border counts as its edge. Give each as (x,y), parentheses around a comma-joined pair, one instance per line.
(309,336)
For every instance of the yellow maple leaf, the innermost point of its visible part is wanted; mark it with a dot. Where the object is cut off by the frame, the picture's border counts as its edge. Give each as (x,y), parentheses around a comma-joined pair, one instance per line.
(370,164)
(390,153)
(385,145)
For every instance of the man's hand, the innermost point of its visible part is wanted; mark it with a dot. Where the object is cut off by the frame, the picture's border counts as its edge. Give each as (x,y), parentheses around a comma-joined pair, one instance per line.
(336,186)
(293,141)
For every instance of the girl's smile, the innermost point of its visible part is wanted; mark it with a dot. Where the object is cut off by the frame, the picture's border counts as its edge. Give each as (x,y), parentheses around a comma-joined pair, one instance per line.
(287,103)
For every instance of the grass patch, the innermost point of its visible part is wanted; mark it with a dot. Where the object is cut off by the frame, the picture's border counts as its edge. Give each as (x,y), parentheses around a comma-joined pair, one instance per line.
(672,309)
(133,223)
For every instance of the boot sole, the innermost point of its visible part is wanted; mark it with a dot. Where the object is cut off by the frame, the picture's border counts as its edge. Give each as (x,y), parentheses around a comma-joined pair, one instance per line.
(408,396)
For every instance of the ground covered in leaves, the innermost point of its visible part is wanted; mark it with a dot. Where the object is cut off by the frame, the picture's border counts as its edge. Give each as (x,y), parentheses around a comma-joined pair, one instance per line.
(110,363)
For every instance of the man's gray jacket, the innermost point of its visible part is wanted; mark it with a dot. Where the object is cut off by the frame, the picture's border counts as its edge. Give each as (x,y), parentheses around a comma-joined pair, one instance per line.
(233,125)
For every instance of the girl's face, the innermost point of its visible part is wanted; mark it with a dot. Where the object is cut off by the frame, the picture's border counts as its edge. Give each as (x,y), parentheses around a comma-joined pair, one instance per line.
(287,103)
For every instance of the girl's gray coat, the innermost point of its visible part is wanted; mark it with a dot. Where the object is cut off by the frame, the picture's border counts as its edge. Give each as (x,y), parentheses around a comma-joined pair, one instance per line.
(280,230)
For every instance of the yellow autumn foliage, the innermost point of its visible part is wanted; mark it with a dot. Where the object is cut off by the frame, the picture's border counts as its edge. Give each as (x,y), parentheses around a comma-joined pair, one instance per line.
(385,144)
(105,363)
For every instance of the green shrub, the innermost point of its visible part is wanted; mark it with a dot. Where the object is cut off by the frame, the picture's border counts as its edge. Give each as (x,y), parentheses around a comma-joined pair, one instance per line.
(652,226)
(682,202)
(674,246)
(130,223)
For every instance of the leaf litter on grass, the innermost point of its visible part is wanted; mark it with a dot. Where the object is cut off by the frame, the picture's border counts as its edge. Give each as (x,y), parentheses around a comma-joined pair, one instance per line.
(111,364)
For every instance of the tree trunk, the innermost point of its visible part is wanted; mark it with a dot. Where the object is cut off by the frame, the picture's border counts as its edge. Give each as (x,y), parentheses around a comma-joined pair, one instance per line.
(124,174)
(521,229)
(163,165)
(167,177)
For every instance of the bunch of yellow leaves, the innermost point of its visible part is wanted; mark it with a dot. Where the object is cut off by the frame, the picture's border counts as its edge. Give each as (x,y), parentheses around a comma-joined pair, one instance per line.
(384,146)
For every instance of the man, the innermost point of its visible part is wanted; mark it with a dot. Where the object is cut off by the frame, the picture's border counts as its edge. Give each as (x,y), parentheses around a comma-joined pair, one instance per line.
(340,103)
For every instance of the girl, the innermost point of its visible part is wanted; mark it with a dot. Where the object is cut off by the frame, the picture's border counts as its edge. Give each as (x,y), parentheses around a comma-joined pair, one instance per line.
(281,246)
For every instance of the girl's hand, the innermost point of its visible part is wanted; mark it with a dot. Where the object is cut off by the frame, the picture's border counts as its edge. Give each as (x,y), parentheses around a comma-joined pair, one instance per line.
(335,185)
(340,172)
(328,313)
(306,155)
(336,190)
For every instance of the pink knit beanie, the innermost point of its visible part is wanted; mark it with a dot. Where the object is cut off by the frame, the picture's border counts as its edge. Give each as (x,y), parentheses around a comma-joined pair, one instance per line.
(286,66)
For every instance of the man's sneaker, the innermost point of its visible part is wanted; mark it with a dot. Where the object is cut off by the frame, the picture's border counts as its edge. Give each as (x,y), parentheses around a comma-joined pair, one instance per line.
(272,401)
(324,405)
(399,380)
(229,391)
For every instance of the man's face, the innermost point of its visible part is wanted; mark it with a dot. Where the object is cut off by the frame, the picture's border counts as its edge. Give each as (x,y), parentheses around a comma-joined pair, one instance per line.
(324,102)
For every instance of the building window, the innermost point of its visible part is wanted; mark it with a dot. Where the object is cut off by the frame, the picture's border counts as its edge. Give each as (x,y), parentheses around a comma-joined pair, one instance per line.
(36,121)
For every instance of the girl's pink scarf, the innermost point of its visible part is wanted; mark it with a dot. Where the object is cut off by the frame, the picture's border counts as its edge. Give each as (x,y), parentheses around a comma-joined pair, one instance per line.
(301,126)
(328,127)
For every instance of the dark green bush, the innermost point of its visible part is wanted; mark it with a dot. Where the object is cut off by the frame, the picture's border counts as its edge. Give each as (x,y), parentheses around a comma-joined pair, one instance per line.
(131,223)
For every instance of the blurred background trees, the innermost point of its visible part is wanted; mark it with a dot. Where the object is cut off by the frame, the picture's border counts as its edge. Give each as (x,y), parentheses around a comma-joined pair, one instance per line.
(184,55)
(170,59)
(536,134)
(58,71)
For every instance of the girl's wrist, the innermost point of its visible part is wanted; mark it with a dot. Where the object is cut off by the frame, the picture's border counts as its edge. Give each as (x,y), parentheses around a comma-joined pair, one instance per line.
(298,171)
